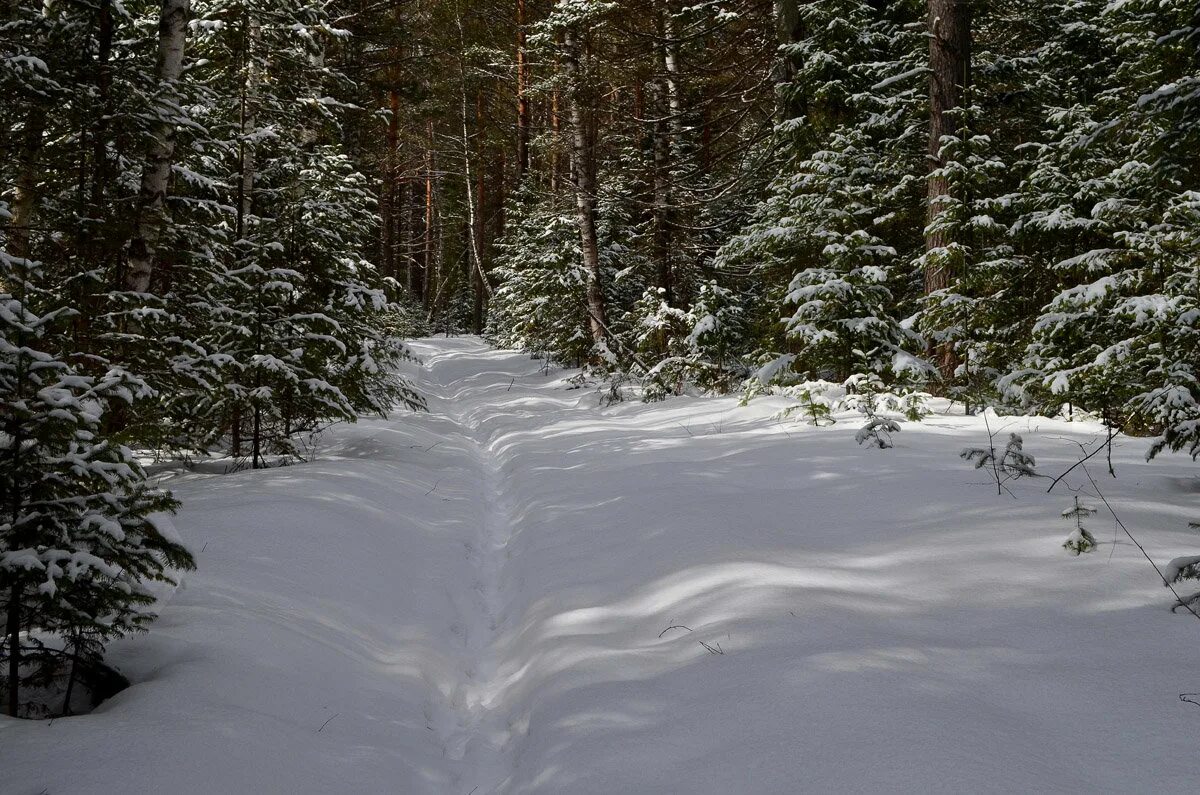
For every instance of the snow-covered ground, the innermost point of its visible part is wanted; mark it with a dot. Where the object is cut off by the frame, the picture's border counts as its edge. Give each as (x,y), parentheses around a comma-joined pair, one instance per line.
(522,592)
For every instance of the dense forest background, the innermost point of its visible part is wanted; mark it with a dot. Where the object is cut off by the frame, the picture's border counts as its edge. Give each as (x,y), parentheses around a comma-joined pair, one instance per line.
(219,219)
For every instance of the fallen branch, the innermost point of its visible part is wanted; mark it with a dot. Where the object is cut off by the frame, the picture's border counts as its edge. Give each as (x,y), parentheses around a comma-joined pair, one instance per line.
(674,626)
(1080,462)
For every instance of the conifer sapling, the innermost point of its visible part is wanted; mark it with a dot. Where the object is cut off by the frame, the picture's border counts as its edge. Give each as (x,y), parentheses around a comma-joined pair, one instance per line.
(1081,539)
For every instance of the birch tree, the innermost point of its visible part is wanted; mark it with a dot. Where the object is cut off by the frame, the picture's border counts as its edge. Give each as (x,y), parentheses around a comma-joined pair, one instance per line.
(151,212)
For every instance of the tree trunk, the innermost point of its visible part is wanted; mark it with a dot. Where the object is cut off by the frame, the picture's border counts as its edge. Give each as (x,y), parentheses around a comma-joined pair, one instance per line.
(667,134)
(554,140)
(949,76)
(481,288)
(404,231)
(522,96)
(788,30)
(12,632)
(247,165)
(104,40)
(583,171)
(235,432)
(152,196)
(72,675)
(24,203)
(474,194)
(387,191)
(421,274)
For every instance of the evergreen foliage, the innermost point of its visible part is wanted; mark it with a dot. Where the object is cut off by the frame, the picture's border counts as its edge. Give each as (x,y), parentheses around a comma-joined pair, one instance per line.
(78,545)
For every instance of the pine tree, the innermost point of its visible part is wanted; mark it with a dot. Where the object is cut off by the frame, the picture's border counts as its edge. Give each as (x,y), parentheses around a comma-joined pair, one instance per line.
(838,221)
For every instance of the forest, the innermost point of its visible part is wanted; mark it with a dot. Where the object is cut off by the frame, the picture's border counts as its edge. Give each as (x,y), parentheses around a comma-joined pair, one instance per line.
(223,223)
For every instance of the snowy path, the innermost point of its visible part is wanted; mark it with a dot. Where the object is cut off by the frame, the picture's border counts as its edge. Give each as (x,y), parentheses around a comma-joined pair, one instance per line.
(474,736)
(521,592)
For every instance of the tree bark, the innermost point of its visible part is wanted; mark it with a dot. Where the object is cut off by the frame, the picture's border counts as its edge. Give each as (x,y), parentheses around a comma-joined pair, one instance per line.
(788,30)
(247,165)
(24,203)
(404,212)
(104,41)
(387,192)
(522,96)
(481,287)
(667,133)
(949,76)
(583,171)
(12,632)
(555,141)
(474,193)
(420,273)
(152,197)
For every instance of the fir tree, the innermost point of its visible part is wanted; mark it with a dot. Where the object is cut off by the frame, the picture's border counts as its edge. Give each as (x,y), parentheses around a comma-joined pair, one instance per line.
(1081,539)
(78,546)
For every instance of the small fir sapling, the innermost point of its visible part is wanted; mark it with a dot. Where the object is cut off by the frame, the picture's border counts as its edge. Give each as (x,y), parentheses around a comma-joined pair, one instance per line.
(1184,568)
(863,393)
(914,405)
(1010,464)
(814,408)
(878,431)
(1081,539)
(1014,462)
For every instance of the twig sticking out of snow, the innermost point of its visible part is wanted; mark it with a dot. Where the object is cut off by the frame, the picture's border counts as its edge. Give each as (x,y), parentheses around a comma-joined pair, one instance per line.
(1180,601)
(674,626)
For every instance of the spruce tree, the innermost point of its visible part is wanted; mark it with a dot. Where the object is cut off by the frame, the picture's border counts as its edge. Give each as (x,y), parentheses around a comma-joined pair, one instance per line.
(78,544)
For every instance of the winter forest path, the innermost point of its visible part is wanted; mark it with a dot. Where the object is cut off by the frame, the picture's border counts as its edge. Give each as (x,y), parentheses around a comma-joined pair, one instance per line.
(472,731)
(524,592)
(661,593)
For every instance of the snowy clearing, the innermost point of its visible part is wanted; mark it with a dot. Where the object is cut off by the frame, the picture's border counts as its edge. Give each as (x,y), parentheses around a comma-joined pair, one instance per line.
(521,592)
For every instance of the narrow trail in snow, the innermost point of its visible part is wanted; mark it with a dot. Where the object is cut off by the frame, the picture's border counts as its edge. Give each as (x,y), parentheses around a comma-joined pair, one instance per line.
(525,592)
(474,731)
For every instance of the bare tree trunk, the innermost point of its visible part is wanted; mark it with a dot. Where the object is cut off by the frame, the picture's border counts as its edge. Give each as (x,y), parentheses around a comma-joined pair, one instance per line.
(387,191)
(422,273)
(235,423)
(555,133)
(404,204)
(949,76)
(104,40)
(474,221)
(583,170)
(667,133)
(24,203)
(247,165)
(788,30)
(522,96)
(72,675)
(13,634)
(481,287)
(152,197)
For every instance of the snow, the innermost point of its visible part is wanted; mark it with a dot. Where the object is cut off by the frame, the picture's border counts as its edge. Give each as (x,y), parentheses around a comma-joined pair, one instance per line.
(1176,566)
(523,592)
